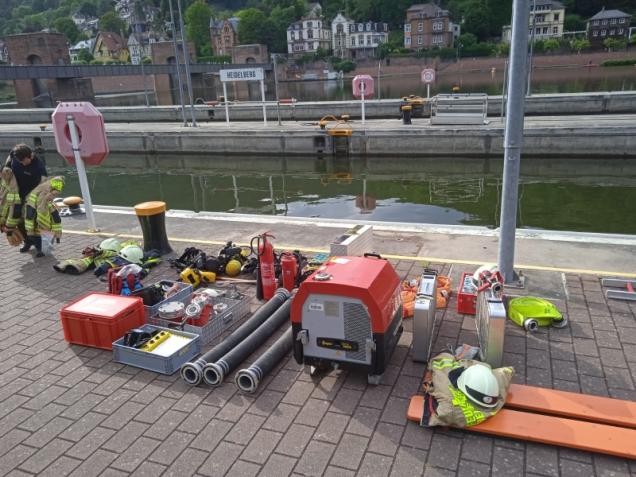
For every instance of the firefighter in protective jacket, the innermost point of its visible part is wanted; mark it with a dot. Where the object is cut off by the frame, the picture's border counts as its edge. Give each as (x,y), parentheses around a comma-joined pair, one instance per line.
(40,214)
(463,393)
(10,207)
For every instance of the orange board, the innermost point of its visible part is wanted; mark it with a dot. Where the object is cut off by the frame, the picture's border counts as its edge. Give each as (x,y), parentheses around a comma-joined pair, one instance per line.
(583,435)
(573,405)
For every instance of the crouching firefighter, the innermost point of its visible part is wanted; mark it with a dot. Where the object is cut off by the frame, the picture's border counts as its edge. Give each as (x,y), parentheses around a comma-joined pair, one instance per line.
(463,393)
(41,215)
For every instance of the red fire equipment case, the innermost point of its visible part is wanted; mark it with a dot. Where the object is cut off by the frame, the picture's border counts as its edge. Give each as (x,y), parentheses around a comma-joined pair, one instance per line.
(348,313)
(98,319)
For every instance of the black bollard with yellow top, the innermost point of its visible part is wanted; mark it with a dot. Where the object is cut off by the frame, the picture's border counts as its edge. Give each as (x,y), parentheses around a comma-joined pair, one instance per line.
(152,218)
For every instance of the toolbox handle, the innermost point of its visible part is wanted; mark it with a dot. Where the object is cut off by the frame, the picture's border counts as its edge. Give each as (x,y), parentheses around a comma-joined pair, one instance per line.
(376,255)
(228,319)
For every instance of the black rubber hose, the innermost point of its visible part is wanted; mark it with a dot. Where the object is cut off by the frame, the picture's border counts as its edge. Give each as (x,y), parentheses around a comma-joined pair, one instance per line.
(192,372)
(214,373)
(248,379)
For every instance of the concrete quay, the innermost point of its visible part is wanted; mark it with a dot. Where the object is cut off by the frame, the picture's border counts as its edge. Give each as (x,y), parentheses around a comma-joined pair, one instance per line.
(71,410)
(557,136)
(536,105)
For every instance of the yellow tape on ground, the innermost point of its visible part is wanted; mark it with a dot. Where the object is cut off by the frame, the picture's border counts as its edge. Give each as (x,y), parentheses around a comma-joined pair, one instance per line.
(577,271)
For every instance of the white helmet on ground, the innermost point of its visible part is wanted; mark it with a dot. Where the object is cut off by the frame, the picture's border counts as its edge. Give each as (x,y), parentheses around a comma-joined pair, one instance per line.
(132,253)
(479,385)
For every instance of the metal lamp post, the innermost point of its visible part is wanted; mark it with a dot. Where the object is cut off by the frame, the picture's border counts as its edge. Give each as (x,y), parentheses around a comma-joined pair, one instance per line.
(176,62)
(186,61)
(513,139)
(534,22)
(274,56)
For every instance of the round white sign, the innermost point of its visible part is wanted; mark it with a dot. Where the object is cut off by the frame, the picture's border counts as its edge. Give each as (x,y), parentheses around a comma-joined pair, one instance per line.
(428,76)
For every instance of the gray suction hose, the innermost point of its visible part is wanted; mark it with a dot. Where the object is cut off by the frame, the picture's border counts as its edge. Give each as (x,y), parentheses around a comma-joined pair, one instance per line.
(214,373)
(192,372)
(248,379)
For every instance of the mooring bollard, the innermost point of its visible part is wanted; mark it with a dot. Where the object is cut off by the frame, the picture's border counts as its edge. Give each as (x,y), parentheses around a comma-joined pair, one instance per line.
(152,218)
(406,114)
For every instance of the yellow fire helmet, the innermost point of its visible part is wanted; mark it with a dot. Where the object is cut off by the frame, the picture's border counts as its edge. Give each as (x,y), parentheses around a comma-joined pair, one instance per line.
(57,183)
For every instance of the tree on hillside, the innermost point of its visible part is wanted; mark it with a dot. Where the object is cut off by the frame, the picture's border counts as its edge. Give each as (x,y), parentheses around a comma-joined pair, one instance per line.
(574,22)
(280,19)
(477,18)
(197,25)
(253,26)
(88,9)
(110,21)
(67,27)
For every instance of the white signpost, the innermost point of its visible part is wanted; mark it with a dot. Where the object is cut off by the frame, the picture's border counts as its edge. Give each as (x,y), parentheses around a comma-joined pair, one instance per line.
(243,74)
(428,77)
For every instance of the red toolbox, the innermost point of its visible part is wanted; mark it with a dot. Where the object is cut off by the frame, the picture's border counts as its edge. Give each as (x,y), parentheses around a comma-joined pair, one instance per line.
(99,319)
(467,295)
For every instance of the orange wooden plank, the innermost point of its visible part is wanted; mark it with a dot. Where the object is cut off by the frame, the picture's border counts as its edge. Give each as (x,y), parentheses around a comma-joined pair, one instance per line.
(416,408)
(560,431)
(573,405)
(582,435)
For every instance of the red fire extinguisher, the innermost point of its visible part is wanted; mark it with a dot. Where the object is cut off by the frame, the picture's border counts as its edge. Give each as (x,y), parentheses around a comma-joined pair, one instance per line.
(266,274)
(289,270)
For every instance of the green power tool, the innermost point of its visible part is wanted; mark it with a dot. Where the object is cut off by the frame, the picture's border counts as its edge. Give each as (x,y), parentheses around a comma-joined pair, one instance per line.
(532,312)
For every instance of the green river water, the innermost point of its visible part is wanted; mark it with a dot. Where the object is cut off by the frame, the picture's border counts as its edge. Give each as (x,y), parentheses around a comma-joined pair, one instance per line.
(557,194)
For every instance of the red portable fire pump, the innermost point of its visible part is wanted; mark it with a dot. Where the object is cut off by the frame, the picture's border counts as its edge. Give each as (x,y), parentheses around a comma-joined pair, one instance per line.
(348,313)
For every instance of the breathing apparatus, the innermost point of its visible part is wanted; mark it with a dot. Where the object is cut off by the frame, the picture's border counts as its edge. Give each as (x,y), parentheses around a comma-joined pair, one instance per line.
(196,277)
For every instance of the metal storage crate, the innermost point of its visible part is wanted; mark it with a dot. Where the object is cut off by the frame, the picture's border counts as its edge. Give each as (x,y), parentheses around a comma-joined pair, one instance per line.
(184,294)
(152,362)
(236,310)
(491,326)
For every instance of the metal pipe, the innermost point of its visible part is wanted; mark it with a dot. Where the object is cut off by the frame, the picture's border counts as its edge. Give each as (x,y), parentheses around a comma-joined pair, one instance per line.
(532,33)
(513,138)
(192,372)
(186,62)
(248,379)
(176,63)
(81,173)
(276,89)
(214,373)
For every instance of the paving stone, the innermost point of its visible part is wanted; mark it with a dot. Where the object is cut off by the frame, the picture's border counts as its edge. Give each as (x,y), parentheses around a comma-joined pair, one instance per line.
(295,440)
(149,469)
(623,394)
(77,392)
(395,410)
(416,436)
(89,402)
(135,454)
(155,410)
(220,461)
(261,447)
(331,427)
(542,459)
(386,439)
(191,400)
(282,417)
(564,370)
(593,385)
(42,417)
(170,448)
(346,401)
(315,458)
(126,436)
(278,466)
(15,457)
(162,428)
(61,467)
(197,419)
(95,464)
(338,472)
(244,469)
(234,409)
(245,429)
(444,451)
(350,451)
(409,461)
(363,421)
(589,366)
(298,393)
(110,472)
(283,381)
(50,430)
(12,420)
(539,377)
(569,386)
(618,378)
(473,469)
(507,462)
(612,358)
(430,471)
(561,351)
(123,415)
(312,412)
(90,443)
(267,401)
(477,448)
(610,466)
(571,469)
(328,387)
(81,427)
(374,465)
(45,456)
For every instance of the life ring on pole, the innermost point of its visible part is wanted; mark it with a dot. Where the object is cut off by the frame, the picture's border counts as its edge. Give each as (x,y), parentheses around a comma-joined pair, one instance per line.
(91,131)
